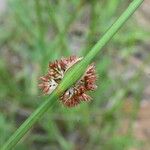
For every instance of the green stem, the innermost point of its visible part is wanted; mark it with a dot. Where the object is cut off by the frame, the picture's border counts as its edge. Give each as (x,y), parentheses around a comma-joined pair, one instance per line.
(113,29)
(29,122)
(72,76)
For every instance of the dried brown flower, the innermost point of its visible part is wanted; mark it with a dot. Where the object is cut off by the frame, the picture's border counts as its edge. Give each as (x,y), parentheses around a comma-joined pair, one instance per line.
(77,93)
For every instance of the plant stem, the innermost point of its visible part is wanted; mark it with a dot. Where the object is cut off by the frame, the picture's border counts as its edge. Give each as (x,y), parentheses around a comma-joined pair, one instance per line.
(113,29)
(29,122)
(72,76)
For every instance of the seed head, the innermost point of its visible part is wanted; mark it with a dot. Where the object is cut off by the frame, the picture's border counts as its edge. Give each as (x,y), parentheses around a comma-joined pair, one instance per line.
(75,94)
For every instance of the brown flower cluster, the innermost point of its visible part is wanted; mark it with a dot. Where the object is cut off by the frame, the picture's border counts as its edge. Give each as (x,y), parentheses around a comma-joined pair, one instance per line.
(77,93)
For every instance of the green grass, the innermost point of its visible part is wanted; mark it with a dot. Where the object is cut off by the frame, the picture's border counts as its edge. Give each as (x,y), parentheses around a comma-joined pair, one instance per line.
(35,33)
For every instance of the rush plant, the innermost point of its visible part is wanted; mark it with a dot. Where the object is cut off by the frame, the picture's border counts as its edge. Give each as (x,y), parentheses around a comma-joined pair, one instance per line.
(71,76)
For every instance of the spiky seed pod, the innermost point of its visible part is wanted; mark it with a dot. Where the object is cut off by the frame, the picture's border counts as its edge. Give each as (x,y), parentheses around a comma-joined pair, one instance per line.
(75,94)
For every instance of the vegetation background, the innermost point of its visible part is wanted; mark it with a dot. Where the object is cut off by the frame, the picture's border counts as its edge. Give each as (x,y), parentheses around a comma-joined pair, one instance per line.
(34,32)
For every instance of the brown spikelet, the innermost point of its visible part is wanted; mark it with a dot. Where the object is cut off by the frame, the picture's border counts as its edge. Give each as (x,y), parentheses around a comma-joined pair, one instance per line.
(77,93)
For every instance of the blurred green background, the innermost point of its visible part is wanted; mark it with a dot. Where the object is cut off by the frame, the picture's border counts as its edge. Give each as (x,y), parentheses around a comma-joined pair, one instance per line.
(34,32)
